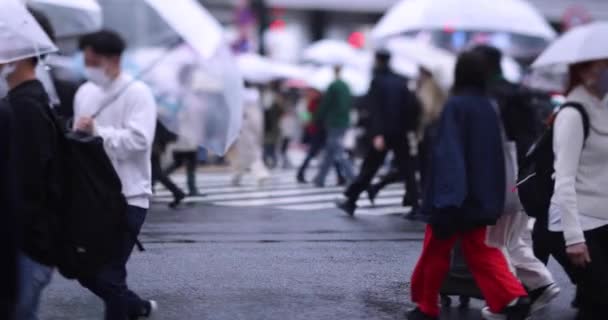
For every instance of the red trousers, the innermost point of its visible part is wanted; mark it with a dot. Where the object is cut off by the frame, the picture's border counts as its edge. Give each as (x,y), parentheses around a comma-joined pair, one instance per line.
(488,265)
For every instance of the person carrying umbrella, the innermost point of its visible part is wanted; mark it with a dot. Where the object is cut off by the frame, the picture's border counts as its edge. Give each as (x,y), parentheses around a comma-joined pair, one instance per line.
(25,37)
(334,114)
(577,212)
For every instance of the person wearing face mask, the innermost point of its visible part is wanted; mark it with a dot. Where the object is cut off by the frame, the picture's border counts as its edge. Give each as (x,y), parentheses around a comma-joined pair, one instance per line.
(578,207)
(122,111)
(33,132)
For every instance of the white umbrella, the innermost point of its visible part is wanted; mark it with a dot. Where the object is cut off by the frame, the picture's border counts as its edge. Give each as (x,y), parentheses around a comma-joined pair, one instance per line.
(357,81)
(514,16)
(70,17)
(584,43)
(332,52)
(20,35)
(216,85)
(258,69)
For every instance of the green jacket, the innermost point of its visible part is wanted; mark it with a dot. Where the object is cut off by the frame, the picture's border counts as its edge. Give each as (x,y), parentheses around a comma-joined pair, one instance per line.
(334,111)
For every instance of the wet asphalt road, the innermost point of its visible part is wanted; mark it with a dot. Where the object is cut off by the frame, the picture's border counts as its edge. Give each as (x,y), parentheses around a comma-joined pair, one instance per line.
(207,262)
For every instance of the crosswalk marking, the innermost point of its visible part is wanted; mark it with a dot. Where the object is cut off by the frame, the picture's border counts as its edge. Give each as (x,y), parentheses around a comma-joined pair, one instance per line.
(281,192)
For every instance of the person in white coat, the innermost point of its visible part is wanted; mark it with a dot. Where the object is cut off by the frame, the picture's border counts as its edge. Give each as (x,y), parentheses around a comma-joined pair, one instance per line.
(122,111)
(249,156)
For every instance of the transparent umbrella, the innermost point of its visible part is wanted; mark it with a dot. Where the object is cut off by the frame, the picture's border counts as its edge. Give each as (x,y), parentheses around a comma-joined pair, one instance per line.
(207,105)
(20,35)
(70,17)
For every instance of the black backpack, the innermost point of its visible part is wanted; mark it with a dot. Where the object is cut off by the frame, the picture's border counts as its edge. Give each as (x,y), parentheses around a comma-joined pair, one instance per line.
(91,221)
(536,180)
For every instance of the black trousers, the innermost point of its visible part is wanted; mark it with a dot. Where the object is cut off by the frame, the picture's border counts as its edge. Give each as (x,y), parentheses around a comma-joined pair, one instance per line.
(159,176)
(190,160)
(110,284)
(374,160)
(592,280)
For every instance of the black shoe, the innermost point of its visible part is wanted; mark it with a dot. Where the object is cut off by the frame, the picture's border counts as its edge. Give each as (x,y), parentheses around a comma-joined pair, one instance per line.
(341,182)
(541,297)
(347,206)
(518,311)
(177,200)
(416,314)
(413,215)
(301,179)
(372,193)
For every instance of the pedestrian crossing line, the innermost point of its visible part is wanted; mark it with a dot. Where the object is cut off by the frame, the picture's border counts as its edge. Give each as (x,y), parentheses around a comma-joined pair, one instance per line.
(281,192)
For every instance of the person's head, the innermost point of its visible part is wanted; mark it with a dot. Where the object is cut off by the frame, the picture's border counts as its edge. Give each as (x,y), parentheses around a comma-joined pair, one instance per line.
(592,75)
(102,56)
(23,70)
(493,57)
(382,59)
(470,73)
(337,71)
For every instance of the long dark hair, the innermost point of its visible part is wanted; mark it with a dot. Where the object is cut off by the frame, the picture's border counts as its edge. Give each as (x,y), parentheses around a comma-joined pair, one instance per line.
(470,73)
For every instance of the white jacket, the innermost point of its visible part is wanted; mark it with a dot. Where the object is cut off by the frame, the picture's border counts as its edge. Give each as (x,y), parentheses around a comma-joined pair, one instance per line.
(127,126)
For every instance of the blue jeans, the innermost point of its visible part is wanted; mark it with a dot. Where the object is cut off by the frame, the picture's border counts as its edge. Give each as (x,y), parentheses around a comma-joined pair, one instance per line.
(335,153)
(110,284)
(33,278)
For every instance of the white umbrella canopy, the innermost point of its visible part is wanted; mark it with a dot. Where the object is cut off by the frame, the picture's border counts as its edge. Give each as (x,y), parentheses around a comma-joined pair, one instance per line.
(584,43)
(71,17)
(258,69)
(514,16)
(20,35)
(332,52)
(358,81)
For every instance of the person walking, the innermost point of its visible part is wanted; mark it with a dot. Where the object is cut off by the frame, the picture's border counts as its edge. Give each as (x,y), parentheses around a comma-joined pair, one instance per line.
(122,111)
(248,146)
(9,235)
(272,129)
(185,154)
(33,133)
(315,137)
(520,126)
(334,114)
(466,194)
(162,138)
(394,118)
(578,205)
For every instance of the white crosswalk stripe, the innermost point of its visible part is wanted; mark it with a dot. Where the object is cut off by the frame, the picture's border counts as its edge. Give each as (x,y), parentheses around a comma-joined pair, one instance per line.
(281,191)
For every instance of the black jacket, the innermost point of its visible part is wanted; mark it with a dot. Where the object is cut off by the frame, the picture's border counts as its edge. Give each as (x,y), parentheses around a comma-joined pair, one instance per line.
(393,109)
(37,145)
(8,204)
(520,118)
(467,187)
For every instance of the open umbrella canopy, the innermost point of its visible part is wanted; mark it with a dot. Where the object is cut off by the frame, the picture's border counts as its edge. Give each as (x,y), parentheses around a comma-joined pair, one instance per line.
(358,81)
(584,43)
(193,23)
(332,52)
(258,69)
(207,106)
(20,35)
(71,17)
(514,16)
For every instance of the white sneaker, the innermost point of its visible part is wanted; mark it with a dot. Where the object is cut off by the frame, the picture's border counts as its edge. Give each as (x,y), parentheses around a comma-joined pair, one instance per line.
(545,298)
(153,310)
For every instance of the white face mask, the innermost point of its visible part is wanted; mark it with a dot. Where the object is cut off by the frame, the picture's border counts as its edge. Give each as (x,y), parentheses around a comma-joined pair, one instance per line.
(98,76)
(5,72)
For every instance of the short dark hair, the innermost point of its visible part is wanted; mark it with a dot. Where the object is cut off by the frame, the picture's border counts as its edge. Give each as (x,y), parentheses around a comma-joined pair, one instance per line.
(105,42)
(383,57)
(470,73)
(46,26)
(493,57)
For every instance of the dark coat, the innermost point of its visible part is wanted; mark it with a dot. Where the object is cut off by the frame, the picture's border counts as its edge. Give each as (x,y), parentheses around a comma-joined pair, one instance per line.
(334,111)
(8,205)
(467,183)
(394,110)
(37,144)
